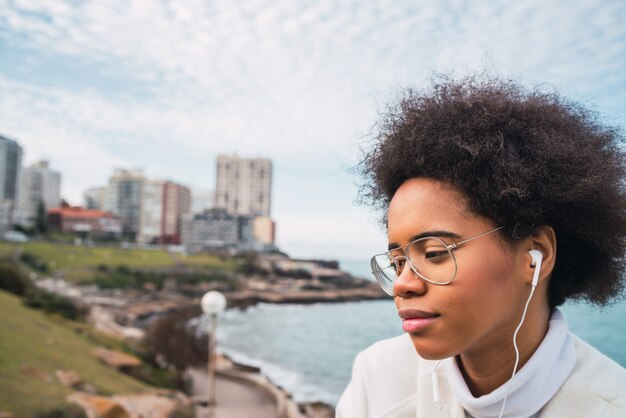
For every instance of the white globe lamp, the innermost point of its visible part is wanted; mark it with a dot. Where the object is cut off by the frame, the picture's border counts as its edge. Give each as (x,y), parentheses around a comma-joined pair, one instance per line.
(213,303)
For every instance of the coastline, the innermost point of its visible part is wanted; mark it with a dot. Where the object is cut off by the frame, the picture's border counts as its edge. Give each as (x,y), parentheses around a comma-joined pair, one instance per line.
(251,378)
(246,298)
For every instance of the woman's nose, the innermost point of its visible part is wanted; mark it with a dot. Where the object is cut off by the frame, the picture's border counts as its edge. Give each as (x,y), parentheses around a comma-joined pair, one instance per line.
(409,284)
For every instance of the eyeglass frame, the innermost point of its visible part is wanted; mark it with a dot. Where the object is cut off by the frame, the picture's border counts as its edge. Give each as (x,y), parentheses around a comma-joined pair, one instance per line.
(449,248)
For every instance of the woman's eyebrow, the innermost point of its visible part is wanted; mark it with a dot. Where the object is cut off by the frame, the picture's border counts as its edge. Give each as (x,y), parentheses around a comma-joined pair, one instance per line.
(437,233)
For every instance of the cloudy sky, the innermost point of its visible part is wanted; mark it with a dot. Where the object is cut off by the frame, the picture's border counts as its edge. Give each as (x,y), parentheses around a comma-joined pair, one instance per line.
(167,85)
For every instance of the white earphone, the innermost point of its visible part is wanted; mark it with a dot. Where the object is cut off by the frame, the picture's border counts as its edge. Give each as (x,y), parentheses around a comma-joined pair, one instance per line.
(537,258)
(536,262)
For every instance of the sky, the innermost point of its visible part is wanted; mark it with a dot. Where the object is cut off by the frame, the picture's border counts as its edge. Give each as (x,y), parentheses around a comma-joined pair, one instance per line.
(168,85)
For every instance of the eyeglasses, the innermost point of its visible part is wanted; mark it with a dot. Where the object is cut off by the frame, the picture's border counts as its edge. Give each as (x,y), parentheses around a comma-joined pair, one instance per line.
(430,258)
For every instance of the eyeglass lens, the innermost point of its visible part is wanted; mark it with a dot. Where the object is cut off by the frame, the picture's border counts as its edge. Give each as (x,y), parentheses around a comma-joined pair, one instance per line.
(430,257)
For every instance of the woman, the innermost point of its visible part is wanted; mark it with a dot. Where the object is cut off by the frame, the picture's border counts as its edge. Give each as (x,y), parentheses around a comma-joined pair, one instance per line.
(501,204)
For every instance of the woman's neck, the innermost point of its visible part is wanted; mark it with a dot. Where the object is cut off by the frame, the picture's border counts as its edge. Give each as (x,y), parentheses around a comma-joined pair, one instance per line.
(487,369)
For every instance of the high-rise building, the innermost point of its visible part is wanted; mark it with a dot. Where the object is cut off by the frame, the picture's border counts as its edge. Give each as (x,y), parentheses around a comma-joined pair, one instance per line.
(10,173)
(151,218)
(163,205)
(150,211)
(123,198)
(38,185)
(6,216)
(176,205)
(244,185)
(10,166)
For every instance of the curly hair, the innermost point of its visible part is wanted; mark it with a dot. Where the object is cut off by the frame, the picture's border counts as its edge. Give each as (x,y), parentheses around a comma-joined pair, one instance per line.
(523,158)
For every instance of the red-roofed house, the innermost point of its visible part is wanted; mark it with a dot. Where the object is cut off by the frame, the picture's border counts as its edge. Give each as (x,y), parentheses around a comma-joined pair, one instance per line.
(77,219)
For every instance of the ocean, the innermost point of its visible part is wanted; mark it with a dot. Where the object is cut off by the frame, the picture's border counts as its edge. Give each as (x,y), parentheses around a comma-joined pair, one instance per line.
(309,349)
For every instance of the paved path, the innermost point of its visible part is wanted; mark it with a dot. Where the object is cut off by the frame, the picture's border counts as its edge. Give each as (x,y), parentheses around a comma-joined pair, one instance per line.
(235,398)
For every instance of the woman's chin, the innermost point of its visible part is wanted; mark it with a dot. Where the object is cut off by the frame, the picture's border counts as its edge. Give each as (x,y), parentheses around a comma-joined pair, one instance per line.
(430,350)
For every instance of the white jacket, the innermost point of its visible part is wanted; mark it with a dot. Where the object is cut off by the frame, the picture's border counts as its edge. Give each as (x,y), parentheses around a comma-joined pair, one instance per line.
(390,380)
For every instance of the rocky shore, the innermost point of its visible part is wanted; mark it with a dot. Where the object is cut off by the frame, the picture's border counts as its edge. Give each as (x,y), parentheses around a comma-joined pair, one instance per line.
(126,313)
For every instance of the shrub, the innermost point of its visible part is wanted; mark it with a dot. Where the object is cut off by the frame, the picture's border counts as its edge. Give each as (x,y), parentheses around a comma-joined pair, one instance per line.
(33,261)
(13,280)
(52,303)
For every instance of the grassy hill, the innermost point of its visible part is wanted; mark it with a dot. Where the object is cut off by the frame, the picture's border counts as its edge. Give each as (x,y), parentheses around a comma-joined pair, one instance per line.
(79,263)
(32,347)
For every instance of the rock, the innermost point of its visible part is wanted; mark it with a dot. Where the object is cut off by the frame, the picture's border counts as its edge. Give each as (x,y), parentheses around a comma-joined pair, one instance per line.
(116,359)
(98,406)
(69,378)
(148,405)
(161,403)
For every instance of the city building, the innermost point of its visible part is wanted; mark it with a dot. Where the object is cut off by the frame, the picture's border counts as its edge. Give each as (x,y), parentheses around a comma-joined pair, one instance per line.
(264,230)
(123,198)
(213,229)
(176,205)
(10,166)
(39,185)
(151,218)
(92,223)
(244,185)
(6,216)
(94,198)
(216,229)
(150,211)
(10,177)
(163,206)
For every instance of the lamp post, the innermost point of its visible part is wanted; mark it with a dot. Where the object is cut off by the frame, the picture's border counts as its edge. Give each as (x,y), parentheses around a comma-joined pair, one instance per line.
(213,303)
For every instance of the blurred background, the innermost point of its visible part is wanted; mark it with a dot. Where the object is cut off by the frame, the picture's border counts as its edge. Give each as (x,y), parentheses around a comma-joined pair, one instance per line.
(153,150)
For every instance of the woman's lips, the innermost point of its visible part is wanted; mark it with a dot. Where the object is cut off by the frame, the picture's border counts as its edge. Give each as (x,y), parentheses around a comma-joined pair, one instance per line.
(414,320)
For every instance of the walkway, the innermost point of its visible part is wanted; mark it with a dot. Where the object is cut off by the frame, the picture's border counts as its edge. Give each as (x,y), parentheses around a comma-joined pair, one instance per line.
(235,398)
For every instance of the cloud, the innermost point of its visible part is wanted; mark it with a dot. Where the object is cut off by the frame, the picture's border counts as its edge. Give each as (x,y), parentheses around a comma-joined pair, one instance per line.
(168,85)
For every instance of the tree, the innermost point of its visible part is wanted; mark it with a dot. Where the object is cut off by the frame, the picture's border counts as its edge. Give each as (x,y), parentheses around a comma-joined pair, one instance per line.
(171,338)
(41,222)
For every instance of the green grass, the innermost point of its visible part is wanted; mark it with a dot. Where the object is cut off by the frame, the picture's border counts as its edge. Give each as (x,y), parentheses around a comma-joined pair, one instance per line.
(29,338)
(209,261)
(67,256)
(70,256)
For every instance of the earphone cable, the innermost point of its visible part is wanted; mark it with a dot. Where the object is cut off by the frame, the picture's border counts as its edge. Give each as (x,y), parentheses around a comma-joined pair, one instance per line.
(508,390)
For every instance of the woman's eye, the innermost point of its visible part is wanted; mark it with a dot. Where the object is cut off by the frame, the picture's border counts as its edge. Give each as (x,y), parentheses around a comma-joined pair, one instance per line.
(435,255)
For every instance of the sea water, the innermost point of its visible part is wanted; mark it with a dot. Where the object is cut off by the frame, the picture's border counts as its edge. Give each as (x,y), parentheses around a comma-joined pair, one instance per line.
(309,349)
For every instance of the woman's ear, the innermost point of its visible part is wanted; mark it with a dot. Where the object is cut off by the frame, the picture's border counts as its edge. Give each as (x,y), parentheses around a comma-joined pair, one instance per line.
(543,240)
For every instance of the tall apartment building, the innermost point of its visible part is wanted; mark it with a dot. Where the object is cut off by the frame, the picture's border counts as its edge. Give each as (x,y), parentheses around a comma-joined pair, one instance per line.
(10,173)
(244,185)
(176,206)
(123,198)
(151,217)
(164,204)
(39,184)
(10,166)
(149,210)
